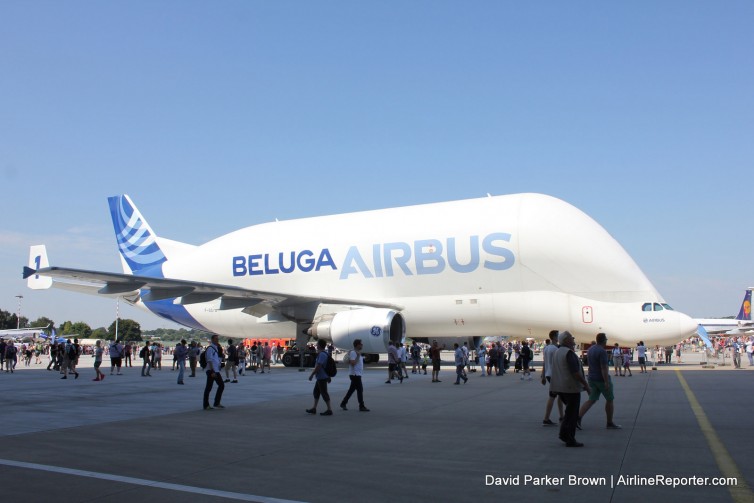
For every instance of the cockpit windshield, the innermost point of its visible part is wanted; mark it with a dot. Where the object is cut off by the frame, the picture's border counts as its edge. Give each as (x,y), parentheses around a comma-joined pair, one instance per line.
(654,306)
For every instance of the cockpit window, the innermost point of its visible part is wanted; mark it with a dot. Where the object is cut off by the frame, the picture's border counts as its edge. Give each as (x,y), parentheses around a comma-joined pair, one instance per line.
(667,306)
(647,307)
(657,307)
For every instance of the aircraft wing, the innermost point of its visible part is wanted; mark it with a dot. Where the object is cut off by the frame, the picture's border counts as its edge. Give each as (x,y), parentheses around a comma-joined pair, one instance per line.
(151,289)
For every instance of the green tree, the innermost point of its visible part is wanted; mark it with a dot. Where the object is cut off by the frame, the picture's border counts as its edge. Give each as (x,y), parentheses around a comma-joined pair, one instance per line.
(43,321)
(128,330)
(9,320)
(79,328)
(99,333)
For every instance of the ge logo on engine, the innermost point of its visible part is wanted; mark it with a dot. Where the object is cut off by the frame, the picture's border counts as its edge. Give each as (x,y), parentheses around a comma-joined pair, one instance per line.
(376,331)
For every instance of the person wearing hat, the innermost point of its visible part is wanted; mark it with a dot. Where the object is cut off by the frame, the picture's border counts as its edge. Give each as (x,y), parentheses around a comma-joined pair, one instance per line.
(567,380)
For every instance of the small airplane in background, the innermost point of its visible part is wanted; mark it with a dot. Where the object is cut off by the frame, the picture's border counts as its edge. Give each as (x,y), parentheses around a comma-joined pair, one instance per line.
(23,333)
(516,265)
(740,325)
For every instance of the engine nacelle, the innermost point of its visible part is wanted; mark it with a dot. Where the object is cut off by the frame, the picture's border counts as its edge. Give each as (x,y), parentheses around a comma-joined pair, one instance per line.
(375,327)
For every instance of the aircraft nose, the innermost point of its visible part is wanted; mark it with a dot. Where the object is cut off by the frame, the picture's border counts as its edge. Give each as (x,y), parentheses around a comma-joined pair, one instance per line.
(687,325)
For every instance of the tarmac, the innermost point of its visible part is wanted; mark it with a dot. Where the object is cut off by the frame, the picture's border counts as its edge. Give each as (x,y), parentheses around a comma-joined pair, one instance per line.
(686,436)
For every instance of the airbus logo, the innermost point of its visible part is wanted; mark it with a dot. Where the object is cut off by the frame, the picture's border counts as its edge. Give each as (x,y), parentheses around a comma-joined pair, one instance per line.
(384,260)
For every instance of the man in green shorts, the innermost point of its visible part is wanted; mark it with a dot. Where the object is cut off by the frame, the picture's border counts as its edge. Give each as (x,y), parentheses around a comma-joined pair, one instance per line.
(599,381)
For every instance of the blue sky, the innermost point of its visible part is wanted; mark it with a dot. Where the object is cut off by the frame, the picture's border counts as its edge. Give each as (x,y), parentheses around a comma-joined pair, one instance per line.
(218,115)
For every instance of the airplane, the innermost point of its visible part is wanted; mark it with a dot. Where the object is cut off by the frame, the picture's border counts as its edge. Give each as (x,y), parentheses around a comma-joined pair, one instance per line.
(516,265)
(742,324)
(23,333)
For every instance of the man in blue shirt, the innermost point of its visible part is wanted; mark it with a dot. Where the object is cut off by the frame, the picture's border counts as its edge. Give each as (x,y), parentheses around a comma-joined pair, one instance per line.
(599,381)
(320,388)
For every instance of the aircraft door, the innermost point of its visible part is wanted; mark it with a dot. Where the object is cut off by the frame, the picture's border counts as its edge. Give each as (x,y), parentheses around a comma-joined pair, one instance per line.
(587,315)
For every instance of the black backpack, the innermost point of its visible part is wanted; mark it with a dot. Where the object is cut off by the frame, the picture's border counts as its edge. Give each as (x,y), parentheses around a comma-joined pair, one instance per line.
(72,354)
(203,359)
(330,368)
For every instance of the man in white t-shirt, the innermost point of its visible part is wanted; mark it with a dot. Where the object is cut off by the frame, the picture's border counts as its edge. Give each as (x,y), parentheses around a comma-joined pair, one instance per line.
(641,350)
(548,353)
(355,371)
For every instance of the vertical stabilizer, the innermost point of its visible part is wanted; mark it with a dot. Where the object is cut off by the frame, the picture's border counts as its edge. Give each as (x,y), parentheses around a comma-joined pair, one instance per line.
(745,313)
(136,239)
(37,260)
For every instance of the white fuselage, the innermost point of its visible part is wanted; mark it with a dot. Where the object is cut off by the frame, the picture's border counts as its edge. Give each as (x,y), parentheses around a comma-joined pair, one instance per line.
(518,265)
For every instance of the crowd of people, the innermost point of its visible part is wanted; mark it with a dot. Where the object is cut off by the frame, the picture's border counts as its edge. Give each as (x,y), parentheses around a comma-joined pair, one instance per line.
(562,367)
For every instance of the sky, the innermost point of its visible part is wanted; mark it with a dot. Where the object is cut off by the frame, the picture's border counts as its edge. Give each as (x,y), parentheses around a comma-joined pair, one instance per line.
(214,116)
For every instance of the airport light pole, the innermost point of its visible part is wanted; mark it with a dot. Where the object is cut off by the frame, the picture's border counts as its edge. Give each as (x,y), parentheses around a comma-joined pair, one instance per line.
(18,315)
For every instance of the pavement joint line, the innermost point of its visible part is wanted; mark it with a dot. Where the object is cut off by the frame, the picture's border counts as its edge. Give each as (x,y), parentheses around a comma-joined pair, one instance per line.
(144,482)
(631,433)
(741,493)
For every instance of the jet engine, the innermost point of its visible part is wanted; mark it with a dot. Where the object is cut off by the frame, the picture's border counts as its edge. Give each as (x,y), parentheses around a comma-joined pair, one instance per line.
(375,327)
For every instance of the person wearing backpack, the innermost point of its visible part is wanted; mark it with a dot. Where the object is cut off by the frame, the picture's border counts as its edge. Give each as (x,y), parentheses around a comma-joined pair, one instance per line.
(416,353)
(212,355)
(526,356)
(320,387)
(69,360)
(10,357)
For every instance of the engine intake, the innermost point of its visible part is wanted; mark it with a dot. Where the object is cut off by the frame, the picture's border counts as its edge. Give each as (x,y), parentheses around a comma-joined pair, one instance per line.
(375,327)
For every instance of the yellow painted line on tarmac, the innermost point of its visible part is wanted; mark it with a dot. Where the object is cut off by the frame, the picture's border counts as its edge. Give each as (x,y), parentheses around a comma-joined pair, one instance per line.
(740,492)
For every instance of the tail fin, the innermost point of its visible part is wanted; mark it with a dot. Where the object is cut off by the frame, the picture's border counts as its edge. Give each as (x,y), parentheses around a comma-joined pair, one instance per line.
(37,260)
(745,312)
(136,239)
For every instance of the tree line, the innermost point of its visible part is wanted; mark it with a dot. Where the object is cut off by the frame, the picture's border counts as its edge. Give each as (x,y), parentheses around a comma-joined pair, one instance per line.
(128,330)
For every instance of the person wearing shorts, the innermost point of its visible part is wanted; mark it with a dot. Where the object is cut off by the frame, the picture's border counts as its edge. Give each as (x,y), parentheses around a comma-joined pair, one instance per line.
(641,350)
(599,381)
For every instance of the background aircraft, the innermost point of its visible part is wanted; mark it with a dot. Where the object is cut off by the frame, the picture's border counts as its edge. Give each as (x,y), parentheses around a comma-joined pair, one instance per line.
(23,333)
(516,265)
(739,325)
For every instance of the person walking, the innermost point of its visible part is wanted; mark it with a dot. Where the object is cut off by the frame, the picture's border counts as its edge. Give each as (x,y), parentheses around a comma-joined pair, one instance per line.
(617,360)
(146,355)
(568,382)
(355,371)
(393,363)
(320,386)
(548,353)
(98,350)
(460,364)
(599,381)
(212,354)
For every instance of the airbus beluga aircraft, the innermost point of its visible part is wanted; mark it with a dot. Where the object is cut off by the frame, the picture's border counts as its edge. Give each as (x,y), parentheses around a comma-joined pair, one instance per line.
(516,265)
